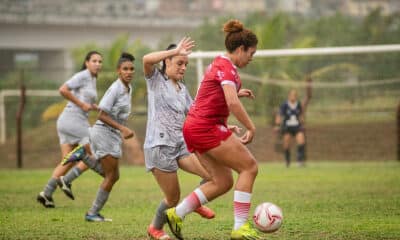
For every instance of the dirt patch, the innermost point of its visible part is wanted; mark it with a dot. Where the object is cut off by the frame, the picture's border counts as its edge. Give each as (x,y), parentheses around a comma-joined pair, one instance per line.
(345,142)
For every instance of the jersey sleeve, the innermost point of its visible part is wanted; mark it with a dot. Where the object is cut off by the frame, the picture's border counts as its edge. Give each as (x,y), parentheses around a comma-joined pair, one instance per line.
(153,78)
(76,81)
(300,107)
(108,100)
(226,74)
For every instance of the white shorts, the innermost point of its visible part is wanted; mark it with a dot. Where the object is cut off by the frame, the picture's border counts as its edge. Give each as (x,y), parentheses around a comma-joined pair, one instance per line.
(164,158)
(105,141)
(73,128)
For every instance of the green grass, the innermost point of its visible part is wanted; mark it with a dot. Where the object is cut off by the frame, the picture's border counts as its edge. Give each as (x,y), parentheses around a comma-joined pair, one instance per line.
(322,201)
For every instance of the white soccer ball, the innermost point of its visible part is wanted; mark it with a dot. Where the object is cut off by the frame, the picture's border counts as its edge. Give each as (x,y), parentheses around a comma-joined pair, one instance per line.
(268,217)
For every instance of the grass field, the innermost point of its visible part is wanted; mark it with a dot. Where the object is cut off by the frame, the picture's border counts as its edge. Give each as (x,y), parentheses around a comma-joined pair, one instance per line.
(322,201)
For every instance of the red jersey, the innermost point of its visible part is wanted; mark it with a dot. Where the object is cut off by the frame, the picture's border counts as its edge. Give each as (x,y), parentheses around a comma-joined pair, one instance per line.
(210,101)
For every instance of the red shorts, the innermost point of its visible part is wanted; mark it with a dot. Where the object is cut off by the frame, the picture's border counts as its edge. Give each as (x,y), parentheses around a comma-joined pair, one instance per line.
(201,136)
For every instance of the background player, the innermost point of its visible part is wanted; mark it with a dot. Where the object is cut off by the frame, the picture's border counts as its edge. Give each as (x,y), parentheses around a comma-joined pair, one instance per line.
(164,147)
(208,136)
(290,121)
(106,135)
(73,124)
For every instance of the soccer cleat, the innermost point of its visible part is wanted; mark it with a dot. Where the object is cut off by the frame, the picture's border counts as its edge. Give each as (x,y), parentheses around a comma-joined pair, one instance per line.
(157,234)
(65,187)
(205,212)
(174,223)
(96,218)
(245,232)
(75,155)
(46,201)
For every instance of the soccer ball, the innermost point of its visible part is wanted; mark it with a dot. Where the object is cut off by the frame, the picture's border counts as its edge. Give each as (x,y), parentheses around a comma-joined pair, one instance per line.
(268,217)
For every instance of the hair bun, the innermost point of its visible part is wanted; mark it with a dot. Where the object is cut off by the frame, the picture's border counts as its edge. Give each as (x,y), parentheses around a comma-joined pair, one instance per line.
(233,26)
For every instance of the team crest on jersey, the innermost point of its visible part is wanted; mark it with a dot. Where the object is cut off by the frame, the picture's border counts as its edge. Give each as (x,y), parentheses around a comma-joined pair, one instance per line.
(220,74)
(222,128)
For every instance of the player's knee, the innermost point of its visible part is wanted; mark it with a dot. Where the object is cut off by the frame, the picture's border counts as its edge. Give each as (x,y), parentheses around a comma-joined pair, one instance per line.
(225,183)
(114,177)
(253,168)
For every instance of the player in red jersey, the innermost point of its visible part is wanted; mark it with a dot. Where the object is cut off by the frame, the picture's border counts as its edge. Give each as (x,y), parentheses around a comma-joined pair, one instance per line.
(207,134)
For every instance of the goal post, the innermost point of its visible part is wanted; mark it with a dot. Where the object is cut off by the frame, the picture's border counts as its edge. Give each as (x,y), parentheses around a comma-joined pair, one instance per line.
(15,93)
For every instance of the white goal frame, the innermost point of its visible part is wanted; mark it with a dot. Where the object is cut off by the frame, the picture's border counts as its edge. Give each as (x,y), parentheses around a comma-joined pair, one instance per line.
(201,55)
(15,93)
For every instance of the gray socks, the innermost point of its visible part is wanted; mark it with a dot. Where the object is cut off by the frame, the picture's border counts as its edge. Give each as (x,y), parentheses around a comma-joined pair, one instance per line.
(94,164)
(50,187)
(72,174)
(160,218)
(99,202)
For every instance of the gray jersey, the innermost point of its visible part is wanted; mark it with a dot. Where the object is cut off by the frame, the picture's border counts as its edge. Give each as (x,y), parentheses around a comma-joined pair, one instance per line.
(166,113)
(116,102)
(83,87)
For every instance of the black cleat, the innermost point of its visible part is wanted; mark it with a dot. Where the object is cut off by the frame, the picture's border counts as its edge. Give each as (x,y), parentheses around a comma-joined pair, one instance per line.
(46,201)
(65,187)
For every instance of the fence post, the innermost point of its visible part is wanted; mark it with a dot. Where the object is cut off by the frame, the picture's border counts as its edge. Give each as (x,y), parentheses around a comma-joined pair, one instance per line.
(19,121)
(2,118)
(398,132)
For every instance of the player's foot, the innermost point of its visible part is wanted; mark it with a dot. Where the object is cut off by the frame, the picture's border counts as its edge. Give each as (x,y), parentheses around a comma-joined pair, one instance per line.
(46,201)
(75,155)
(245,232)
(174,223)
(205,212)
(65,187)
(157,234)
(96,218)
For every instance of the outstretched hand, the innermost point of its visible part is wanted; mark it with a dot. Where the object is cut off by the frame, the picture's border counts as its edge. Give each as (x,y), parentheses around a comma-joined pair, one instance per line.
(185,46)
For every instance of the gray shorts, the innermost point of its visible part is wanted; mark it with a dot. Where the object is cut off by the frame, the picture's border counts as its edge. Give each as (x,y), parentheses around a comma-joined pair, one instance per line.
(164,158)
(72,128)
(105,141)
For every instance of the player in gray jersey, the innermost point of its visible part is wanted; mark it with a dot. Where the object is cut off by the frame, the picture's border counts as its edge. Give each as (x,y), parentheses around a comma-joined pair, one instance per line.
(73,124)
(164,148)
(106,136)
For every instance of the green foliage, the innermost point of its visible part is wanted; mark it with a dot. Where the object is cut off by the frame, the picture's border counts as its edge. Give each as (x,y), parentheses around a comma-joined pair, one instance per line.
(322,201)
(277,31)
(111,55)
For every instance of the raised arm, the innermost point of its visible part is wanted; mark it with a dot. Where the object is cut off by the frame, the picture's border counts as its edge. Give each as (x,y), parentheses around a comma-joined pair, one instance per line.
(236,108)
(183,48)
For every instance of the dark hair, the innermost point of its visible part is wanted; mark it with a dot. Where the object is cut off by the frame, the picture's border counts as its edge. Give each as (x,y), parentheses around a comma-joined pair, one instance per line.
(87,58)
(125,57)
(236,35)
(163,67)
